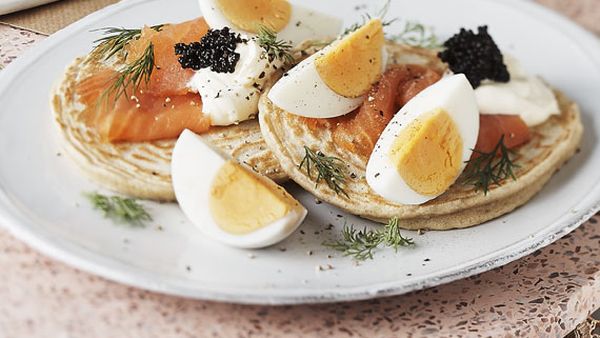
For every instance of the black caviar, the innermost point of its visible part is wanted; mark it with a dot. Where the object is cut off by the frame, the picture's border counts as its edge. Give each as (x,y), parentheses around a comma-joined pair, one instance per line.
(475,55)
(215,50)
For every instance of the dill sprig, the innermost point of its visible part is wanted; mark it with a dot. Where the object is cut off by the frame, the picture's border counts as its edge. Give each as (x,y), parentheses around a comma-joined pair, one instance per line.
(275,49)
(366,17)
(360,244)
(487,169)
(418,35)
(131,76)
(329,169)
(124,210)
(318,44)
(114,42)
(116,38)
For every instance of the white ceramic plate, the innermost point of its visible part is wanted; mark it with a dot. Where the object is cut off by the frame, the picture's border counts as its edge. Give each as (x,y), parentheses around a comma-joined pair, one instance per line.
(41,193)
(9,6)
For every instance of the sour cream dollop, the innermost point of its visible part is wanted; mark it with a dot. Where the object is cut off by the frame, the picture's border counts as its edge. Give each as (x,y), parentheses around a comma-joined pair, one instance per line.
(524,95)
(231,98)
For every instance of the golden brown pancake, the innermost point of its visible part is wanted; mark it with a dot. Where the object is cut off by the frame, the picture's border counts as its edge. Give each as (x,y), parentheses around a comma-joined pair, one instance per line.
(142,169)
(552,143)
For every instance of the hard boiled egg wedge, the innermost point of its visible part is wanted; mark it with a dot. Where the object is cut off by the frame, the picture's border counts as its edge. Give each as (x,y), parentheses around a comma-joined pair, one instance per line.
(290,22)
(333,81)
(424,148)
(229,202)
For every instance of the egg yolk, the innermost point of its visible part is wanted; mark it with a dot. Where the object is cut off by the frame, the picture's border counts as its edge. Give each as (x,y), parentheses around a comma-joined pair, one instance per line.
(428,153)
(355,63)
(249,15)
(241,202)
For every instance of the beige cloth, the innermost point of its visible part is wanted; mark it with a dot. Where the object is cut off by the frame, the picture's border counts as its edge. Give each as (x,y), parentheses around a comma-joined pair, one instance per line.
(49,18)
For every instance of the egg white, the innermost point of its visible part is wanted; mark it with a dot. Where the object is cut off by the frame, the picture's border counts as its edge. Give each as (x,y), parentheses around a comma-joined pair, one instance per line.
(304,23)
(455,95)
(193,168)
(302,91)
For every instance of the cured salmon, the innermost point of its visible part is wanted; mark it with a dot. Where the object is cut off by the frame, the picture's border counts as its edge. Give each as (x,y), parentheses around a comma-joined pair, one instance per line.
(358,131)
(159,109)
(492,127)
(168,77)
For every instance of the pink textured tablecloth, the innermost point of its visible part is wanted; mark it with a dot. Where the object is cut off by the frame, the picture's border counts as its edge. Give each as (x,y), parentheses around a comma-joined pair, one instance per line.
(543,295)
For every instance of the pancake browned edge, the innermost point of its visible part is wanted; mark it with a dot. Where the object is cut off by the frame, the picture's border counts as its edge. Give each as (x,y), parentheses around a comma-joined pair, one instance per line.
(552,144)
(142,169)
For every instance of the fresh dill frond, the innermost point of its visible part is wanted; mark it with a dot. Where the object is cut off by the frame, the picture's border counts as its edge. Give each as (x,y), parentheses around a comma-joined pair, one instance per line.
(360,244)
(384,10)
(275,49)
(392,237)
(418,35)
(487,169)
(329,169)
(130,77)
(115,39)
(366,17)
(318,44)
(355,26)
(124,210)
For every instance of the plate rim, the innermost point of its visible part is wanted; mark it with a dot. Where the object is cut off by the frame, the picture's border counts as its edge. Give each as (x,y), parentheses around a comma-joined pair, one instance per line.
(112,269)
(13,6)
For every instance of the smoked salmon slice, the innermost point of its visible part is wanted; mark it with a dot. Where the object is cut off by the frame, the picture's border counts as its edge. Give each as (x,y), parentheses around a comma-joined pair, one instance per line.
(168,77)
(141,117)
(160,109)
(492,127)
(357,132)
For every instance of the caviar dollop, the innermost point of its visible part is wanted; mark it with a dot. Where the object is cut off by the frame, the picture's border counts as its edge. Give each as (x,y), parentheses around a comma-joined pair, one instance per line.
(476,55)
(216,50)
